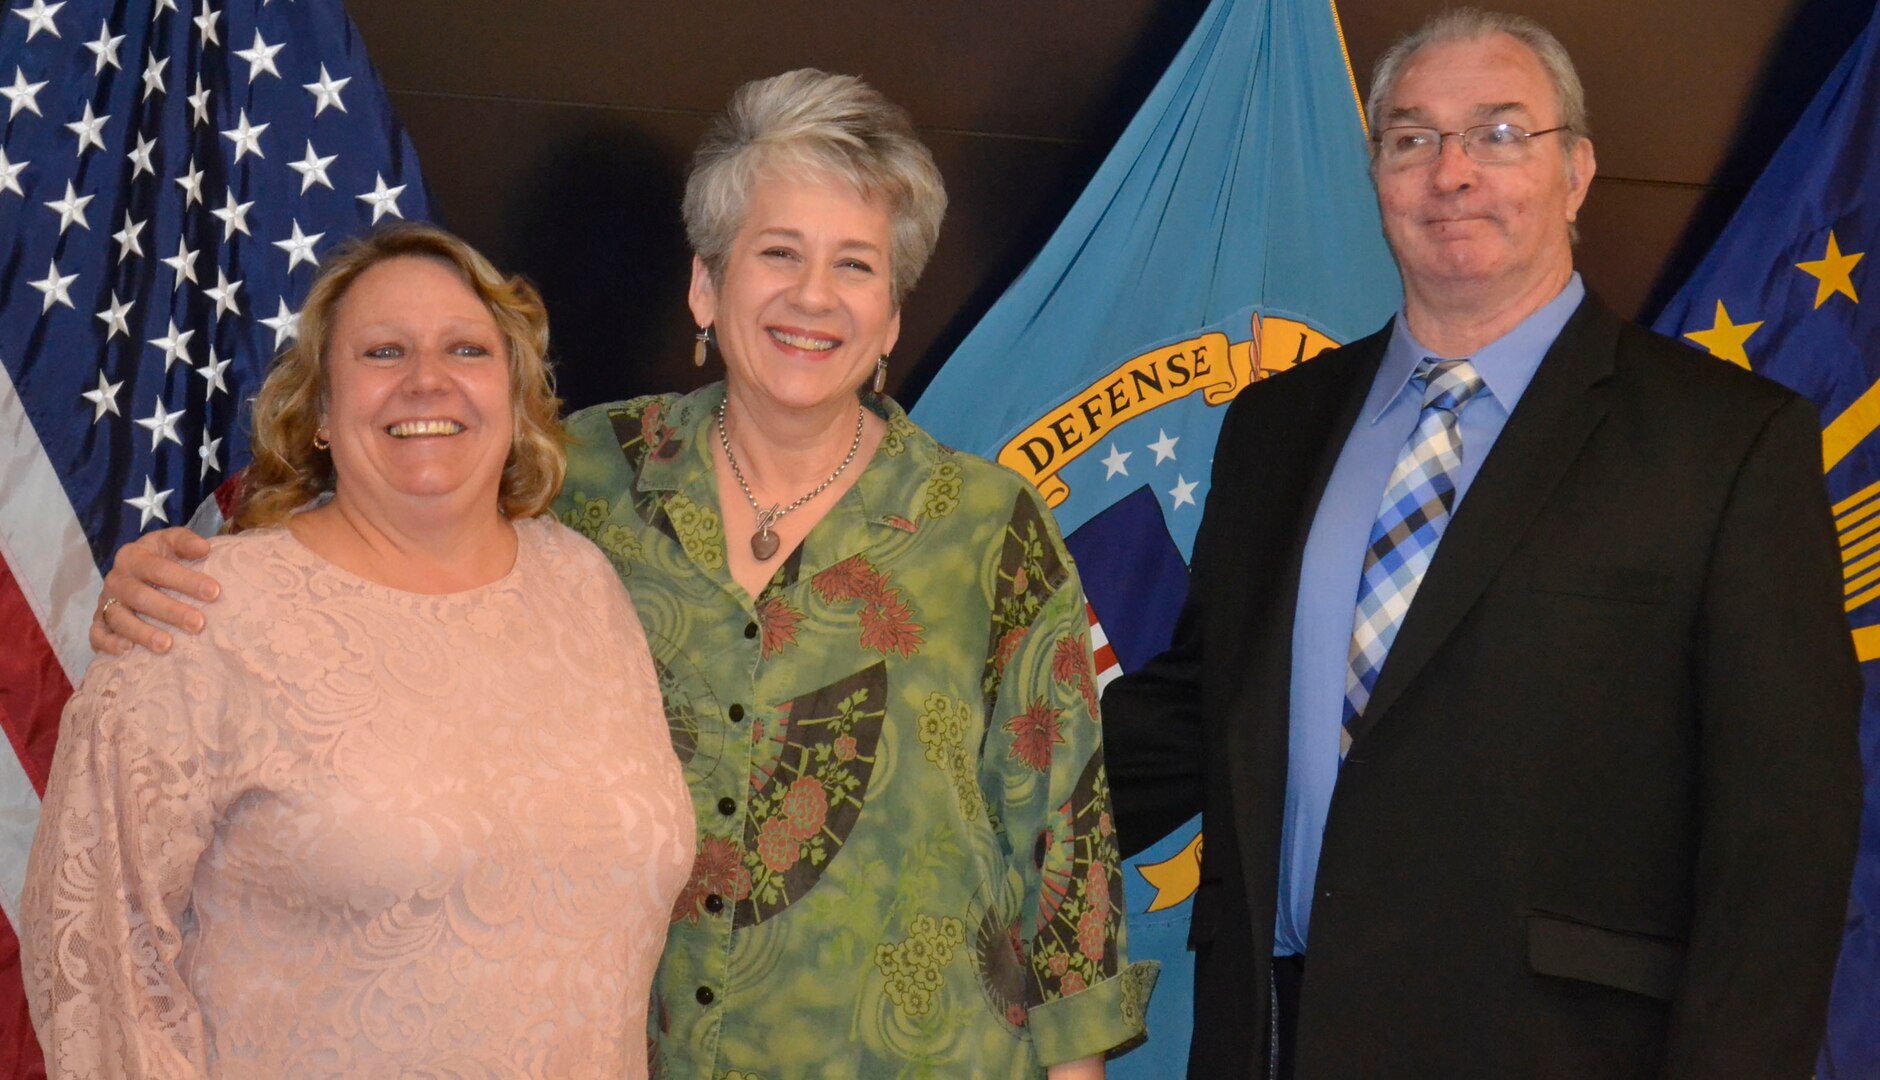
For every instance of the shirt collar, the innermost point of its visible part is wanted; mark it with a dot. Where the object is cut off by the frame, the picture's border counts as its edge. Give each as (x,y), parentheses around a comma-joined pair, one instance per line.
(1506,364)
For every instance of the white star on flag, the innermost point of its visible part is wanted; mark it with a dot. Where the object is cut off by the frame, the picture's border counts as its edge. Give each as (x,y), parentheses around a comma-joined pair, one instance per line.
(191,183)
(140,157)
(113,317)
(153,75)
(233,216)
(312,169)
(103,399)
(260,57)
(127,237)
(205,23)
(384,200)
(10,173)
(211,372)
(173,343)
(88,130)
(70,209)
(39,17)
(1182,492)
(199,104)
(299,247)
(54,287)
(150,503)
(162,425)
(326,92)
(285,323)
(1117,463)
(105,48)
(22,96)
(1164,446)
(207,452)
(223,294)
(246,137)
(183,262)
(162,6)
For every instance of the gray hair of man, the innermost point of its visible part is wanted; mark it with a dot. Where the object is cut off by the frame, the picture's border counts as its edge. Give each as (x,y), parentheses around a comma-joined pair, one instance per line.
(810,123)
(1474,24)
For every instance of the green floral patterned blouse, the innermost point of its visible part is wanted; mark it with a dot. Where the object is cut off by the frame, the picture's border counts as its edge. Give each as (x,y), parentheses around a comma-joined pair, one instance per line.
(906,864)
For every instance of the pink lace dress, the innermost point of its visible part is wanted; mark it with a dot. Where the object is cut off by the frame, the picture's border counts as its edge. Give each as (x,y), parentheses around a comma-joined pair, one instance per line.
(353,831)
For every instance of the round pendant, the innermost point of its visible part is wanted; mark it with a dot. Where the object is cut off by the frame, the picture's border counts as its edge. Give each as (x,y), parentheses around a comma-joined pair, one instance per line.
(763,544)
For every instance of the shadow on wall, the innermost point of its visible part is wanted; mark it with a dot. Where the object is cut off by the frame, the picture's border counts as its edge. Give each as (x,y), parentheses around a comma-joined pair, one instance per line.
(596,226)
(1817,36)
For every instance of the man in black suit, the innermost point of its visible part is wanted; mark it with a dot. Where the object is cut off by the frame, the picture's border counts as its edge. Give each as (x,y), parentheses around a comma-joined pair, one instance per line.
(1513,683)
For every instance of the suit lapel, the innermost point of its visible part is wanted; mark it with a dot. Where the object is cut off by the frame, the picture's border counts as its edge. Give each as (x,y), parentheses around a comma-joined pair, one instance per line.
(1295,463)
(1535,449)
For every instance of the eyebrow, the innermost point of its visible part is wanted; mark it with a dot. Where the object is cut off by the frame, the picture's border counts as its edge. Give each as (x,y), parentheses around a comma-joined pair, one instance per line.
(797,235)
(1480,112)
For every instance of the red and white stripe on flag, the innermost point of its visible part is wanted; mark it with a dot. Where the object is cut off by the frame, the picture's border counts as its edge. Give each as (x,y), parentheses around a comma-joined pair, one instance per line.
(1102,651)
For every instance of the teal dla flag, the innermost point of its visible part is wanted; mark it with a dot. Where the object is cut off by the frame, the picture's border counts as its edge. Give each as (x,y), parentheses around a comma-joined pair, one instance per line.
(1231,233)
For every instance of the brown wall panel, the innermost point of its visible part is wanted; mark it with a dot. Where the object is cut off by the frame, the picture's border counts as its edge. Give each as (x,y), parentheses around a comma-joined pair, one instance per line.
(555,134)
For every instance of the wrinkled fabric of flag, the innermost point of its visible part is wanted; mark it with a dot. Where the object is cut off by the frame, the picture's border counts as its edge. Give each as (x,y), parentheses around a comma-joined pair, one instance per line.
(1231,233)
(1790,292)
(171,173)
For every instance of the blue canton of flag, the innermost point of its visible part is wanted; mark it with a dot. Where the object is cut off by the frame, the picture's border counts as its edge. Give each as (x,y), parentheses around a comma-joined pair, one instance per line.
(1232,232)
(170,173)
(1788,292)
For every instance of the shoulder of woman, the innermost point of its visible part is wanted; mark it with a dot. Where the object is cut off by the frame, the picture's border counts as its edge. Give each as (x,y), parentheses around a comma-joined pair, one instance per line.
(566,553)
(240,553)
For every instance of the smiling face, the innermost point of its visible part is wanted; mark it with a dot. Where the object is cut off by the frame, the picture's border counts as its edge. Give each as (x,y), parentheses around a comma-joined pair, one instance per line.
(804,306)
(418,399)
(1457,226)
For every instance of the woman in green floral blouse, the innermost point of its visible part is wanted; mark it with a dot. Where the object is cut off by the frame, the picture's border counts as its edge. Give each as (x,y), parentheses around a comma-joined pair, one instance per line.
(874,651)
(883,695)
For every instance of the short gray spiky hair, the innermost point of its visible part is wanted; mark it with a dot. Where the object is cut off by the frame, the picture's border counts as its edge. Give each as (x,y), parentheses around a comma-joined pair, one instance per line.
(809,121)
(1474,24)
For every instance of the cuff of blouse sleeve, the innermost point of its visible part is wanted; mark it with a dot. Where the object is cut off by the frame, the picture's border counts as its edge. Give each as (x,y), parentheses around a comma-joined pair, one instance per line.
(1104,1018)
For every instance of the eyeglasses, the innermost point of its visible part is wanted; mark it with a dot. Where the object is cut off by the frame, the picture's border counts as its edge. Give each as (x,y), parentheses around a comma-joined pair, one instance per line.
(1490,144)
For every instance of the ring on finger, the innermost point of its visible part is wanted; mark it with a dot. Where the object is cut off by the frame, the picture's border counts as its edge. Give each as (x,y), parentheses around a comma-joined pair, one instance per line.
(104,608)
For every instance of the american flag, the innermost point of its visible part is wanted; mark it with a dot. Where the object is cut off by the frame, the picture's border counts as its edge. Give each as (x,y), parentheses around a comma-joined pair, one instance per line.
(170,173)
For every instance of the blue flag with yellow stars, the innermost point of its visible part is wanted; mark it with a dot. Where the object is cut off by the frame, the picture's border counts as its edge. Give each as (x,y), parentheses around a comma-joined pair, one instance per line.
(1231,233)
(1789,292)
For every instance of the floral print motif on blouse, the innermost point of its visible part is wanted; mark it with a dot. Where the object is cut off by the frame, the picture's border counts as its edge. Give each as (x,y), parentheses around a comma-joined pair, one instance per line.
(905,860)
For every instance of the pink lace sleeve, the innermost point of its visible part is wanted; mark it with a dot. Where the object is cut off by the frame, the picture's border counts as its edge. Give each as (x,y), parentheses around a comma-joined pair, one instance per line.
(128,811)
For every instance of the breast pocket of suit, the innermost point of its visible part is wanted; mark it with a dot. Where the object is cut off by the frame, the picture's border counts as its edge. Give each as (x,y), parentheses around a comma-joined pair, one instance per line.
(1568,948)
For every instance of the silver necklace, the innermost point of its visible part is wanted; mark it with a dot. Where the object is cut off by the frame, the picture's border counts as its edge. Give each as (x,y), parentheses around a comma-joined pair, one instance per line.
(764,542)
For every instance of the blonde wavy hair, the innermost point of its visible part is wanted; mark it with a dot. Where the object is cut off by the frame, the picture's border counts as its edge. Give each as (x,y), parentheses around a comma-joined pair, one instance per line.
(288,471)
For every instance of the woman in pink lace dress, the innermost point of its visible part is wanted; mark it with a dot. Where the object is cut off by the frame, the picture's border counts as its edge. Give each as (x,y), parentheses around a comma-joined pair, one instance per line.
(409,806)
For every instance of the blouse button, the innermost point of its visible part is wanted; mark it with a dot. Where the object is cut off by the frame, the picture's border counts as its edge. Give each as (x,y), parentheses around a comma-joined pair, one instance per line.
(750,630)
(727,807)
(735,712)
(704,995)
(714,903)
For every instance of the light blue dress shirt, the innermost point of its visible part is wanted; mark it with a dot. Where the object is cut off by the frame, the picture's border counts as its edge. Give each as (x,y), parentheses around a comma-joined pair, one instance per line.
(1334,562)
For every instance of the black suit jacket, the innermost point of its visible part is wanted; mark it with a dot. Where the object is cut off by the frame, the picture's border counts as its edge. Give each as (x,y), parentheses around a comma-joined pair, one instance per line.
(1599,817)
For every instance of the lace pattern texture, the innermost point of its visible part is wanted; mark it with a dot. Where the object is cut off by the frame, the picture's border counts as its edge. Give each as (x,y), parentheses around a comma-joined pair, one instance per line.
(356,831)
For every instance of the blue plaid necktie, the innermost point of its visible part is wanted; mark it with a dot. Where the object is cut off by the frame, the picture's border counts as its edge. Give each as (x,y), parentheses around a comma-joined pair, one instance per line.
(1410,521)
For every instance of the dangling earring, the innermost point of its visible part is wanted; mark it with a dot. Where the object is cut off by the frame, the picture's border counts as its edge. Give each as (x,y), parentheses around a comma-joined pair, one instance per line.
(319,440)
(881,374)
(703,339)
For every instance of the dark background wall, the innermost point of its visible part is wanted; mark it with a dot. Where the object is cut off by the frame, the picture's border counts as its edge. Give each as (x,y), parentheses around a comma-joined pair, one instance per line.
(555,133)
